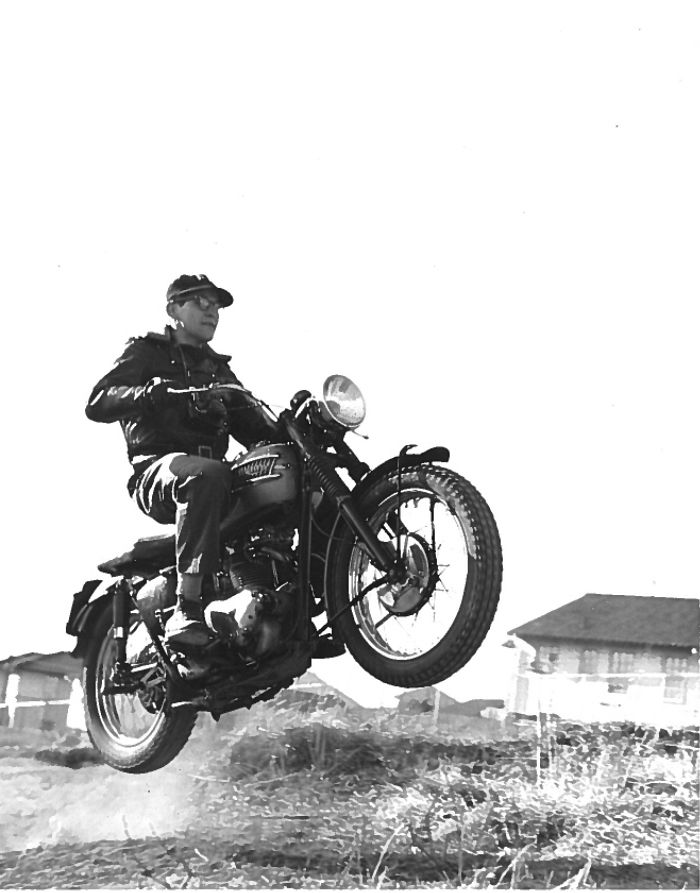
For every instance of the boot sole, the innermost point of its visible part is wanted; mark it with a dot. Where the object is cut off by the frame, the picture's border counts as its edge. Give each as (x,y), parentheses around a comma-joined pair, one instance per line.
(193,638)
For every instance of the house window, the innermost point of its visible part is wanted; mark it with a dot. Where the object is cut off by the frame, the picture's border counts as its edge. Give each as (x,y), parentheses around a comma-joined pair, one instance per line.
(675,685)
(548,655)
(621,664)
(588,662)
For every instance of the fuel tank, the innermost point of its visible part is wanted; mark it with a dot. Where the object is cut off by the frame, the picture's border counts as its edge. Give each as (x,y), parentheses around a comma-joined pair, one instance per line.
(265,483)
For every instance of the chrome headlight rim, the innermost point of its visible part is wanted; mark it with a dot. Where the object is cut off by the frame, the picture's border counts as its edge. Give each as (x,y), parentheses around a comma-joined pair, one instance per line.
(343,403)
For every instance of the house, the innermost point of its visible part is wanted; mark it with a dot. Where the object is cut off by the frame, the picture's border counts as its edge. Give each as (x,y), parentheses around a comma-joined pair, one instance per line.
(442,710)
(38,691)
(424,700)
(310,693)
(611,657)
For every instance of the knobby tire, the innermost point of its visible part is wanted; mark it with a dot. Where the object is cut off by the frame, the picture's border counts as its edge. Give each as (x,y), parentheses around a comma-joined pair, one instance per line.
(171,735)
(479,599)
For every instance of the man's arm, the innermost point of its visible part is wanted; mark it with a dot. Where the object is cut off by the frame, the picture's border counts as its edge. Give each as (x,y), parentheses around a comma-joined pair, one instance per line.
(252,424)
(122,392)
(249,422)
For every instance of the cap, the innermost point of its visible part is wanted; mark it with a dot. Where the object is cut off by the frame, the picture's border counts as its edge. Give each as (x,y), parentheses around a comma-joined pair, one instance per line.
(186,286)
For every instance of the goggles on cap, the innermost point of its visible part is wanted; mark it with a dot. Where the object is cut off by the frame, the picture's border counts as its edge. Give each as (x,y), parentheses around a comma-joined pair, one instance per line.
(204,302)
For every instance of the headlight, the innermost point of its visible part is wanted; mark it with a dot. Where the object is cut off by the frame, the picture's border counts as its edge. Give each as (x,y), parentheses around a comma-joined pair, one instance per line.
(343,402)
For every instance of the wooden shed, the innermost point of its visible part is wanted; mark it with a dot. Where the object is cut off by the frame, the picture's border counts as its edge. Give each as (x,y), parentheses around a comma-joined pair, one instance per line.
(36,690)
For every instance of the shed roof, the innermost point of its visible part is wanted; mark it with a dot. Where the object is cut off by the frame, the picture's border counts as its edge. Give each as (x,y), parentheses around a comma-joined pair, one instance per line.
(629,619)
(312,684)
(61,663)
(426,694)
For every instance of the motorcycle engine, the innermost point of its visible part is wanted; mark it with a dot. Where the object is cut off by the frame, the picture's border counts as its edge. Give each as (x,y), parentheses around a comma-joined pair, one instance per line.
(250,613)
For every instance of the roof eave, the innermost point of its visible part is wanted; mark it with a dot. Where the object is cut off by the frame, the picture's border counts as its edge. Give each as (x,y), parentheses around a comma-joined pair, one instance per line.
(598,640)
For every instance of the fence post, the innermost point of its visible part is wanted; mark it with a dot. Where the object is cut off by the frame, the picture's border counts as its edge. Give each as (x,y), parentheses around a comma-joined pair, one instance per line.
(436,709)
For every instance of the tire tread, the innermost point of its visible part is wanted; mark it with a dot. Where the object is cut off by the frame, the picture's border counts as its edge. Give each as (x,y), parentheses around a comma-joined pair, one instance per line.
(462,647)
(155,753)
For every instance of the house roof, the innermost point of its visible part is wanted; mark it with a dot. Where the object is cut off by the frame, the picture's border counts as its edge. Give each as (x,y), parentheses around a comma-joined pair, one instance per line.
(311,684)
(629,619)
(427,694)
(61,663)
(472,707)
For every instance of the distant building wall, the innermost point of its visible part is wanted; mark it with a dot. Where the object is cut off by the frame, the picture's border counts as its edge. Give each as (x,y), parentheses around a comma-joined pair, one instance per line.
(4,712)
(75,717)
(35,701)
(592,681)
(38,686)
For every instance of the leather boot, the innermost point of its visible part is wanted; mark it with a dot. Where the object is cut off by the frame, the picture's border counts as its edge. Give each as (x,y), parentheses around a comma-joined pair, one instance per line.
(186,626)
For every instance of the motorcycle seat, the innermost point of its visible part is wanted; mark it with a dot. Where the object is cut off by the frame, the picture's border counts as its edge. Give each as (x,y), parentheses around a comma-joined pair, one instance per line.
(148,555)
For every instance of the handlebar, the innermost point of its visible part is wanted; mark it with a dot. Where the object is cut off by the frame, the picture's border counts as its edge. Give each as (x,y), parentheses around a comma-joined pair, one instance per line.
(302,400)
(210,388)
(217,387)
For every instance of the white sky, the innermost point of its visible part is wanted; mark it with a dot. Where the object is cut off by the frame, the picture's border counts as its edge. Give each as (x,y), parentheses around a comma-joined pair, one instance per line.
(484,213)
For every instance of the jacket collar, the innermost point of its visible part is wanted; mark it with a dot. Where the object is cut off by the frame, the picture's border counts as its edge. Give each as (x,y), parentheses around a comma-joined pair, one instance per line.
(168,337)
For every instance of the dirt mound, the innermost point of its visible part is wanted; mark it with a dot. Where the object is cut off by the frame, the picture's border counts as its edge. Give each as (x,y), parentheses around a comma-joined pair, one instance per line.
(367,753)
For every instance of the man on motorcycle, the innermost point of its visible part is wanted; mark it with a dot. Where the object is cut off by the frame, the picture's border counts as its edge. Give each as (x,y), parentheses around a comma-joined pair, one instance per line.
(176,442)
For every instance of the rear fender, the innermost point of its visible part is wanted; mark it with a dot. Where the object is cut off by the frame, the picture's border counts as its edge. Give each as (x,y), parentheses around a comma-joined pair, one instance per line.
(87,606)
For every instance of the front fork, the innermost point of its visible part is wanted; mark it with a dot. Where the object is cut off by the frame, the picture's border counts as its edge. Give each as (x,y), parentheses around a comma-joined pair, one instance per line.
(384,555)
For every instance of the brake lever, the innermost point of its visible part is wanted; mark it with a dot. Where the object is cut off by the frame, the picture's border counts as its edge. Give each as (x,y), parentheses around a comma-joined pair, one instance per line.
(302,406)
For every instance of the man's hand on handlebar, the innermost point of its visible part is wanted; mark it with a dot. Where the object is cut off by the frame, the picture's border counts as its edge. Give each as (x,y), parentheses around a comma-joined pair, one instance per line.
(160,392)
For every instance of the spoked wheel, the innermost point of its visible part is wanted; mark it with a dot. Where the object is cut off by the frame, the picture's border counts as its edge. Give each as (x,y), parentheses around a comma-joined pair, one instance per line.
(422,629)
(134,731)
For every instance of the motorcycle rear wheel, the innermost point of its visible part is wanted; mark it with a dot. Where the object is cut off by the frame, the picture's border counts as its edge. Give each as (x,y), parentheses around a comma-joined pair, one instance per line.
(423,631)
(134,733)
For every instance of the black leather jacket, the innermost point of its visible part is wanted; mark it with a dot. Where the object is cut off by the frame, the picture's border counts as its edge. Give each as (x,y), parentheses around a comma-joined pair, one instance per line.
(198,426)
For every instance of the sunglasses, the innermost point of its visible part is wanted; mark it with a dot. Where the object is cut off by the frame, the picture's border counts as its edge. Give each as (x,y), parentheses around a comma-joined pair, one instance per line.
(202,301)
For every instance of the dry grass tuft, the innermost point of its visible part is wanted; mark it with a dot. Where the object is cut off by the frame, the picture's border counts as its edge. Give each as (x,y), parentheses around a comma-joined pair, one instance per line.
(387,809)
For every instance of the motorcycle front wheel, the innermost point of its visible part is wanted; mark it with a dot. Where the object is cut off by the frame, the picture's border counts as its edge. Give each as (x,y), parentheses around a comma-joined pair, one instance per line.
(134,732)
(422,630)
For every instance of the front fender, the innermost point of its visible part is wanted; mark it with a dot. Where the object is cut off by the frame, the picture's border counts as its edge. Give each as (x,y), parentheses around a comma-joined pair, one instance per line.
(406,460)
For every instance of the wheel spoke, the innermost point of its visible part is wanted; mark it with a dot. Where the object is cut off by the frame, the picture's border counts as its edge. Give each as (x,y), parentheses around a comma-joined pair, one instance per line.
(124,716)
(384,619)
(427,531)
(401,621)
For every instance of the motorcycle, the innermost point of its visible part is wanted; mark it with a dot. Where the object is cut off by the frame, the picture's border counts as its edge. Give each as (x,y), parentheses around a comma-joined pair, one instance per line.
(400,565)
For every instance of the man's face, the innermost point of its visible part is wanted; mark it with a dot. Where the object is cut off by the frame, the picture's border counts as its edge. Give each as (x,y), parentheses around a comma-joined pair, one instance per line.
(198,317)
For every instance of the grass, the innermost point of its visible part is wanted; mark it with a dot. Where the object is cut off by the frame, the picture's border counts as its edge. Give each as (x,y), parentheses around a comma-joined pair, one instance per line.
(571,805)
(281,797)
